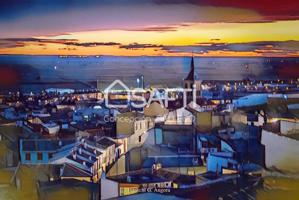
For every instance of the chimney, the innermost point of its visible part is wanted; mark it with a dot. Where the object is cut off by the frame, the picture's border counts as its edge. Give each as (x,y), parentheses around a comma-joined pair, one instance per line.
(84,163)
(156,167)
(153,168)
(80,150)
(61,171)
(89,157)
(74,156)
(129,179)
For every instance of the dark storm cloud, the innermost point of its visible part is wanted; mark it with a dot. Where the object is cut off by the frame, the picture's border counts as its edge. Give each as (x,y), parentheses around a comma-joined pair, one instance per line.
(156,29)
(286,47)
(37,40)
(262,47)
(160,28)
(18,42)
(270,9)
(200,48)
(92,44)
(11,9)
(139,46)
(33,18)
(259,47)
(7,44)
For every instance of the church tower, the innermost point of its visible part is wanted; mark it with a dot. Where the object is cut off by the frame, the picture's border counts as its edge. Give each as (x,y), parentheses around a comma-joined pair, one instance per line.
(189,80)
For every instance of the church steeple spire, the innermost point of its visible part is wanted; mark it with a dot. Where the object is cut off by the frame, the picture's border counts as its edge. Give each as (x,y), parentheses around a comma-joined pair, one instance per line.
(190,76)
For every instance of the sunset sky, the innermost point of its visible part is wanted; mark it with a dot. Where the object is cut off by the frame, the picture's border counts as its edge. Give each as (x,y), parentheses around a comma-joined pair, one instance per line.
(150,27)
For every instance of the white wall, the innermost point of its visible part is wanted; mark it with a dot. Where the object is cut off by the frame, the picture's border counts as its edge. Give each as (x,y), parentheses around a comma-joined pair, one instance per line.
(281,152)
(133,140)
(288,127)
(238,117)
(119,167)
(109,189)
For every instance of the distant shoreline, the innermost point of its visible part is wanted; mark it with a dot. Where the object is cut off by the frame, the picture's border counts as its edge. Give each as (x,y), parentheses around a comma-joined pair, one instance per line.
(99,56)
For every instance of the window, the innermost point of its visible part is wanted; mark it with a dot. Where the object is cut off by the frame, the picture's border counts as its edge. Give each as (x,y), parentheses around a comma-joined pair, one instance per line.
(28,156)
(39,156)
(139,138)
(230,166)
(50,155)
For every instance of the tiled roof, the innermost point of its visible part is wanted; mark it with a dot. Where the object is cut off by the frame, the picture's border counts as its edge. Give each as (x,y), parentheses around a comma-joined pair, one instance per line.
(72,171)
(44,144)
(105,142)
